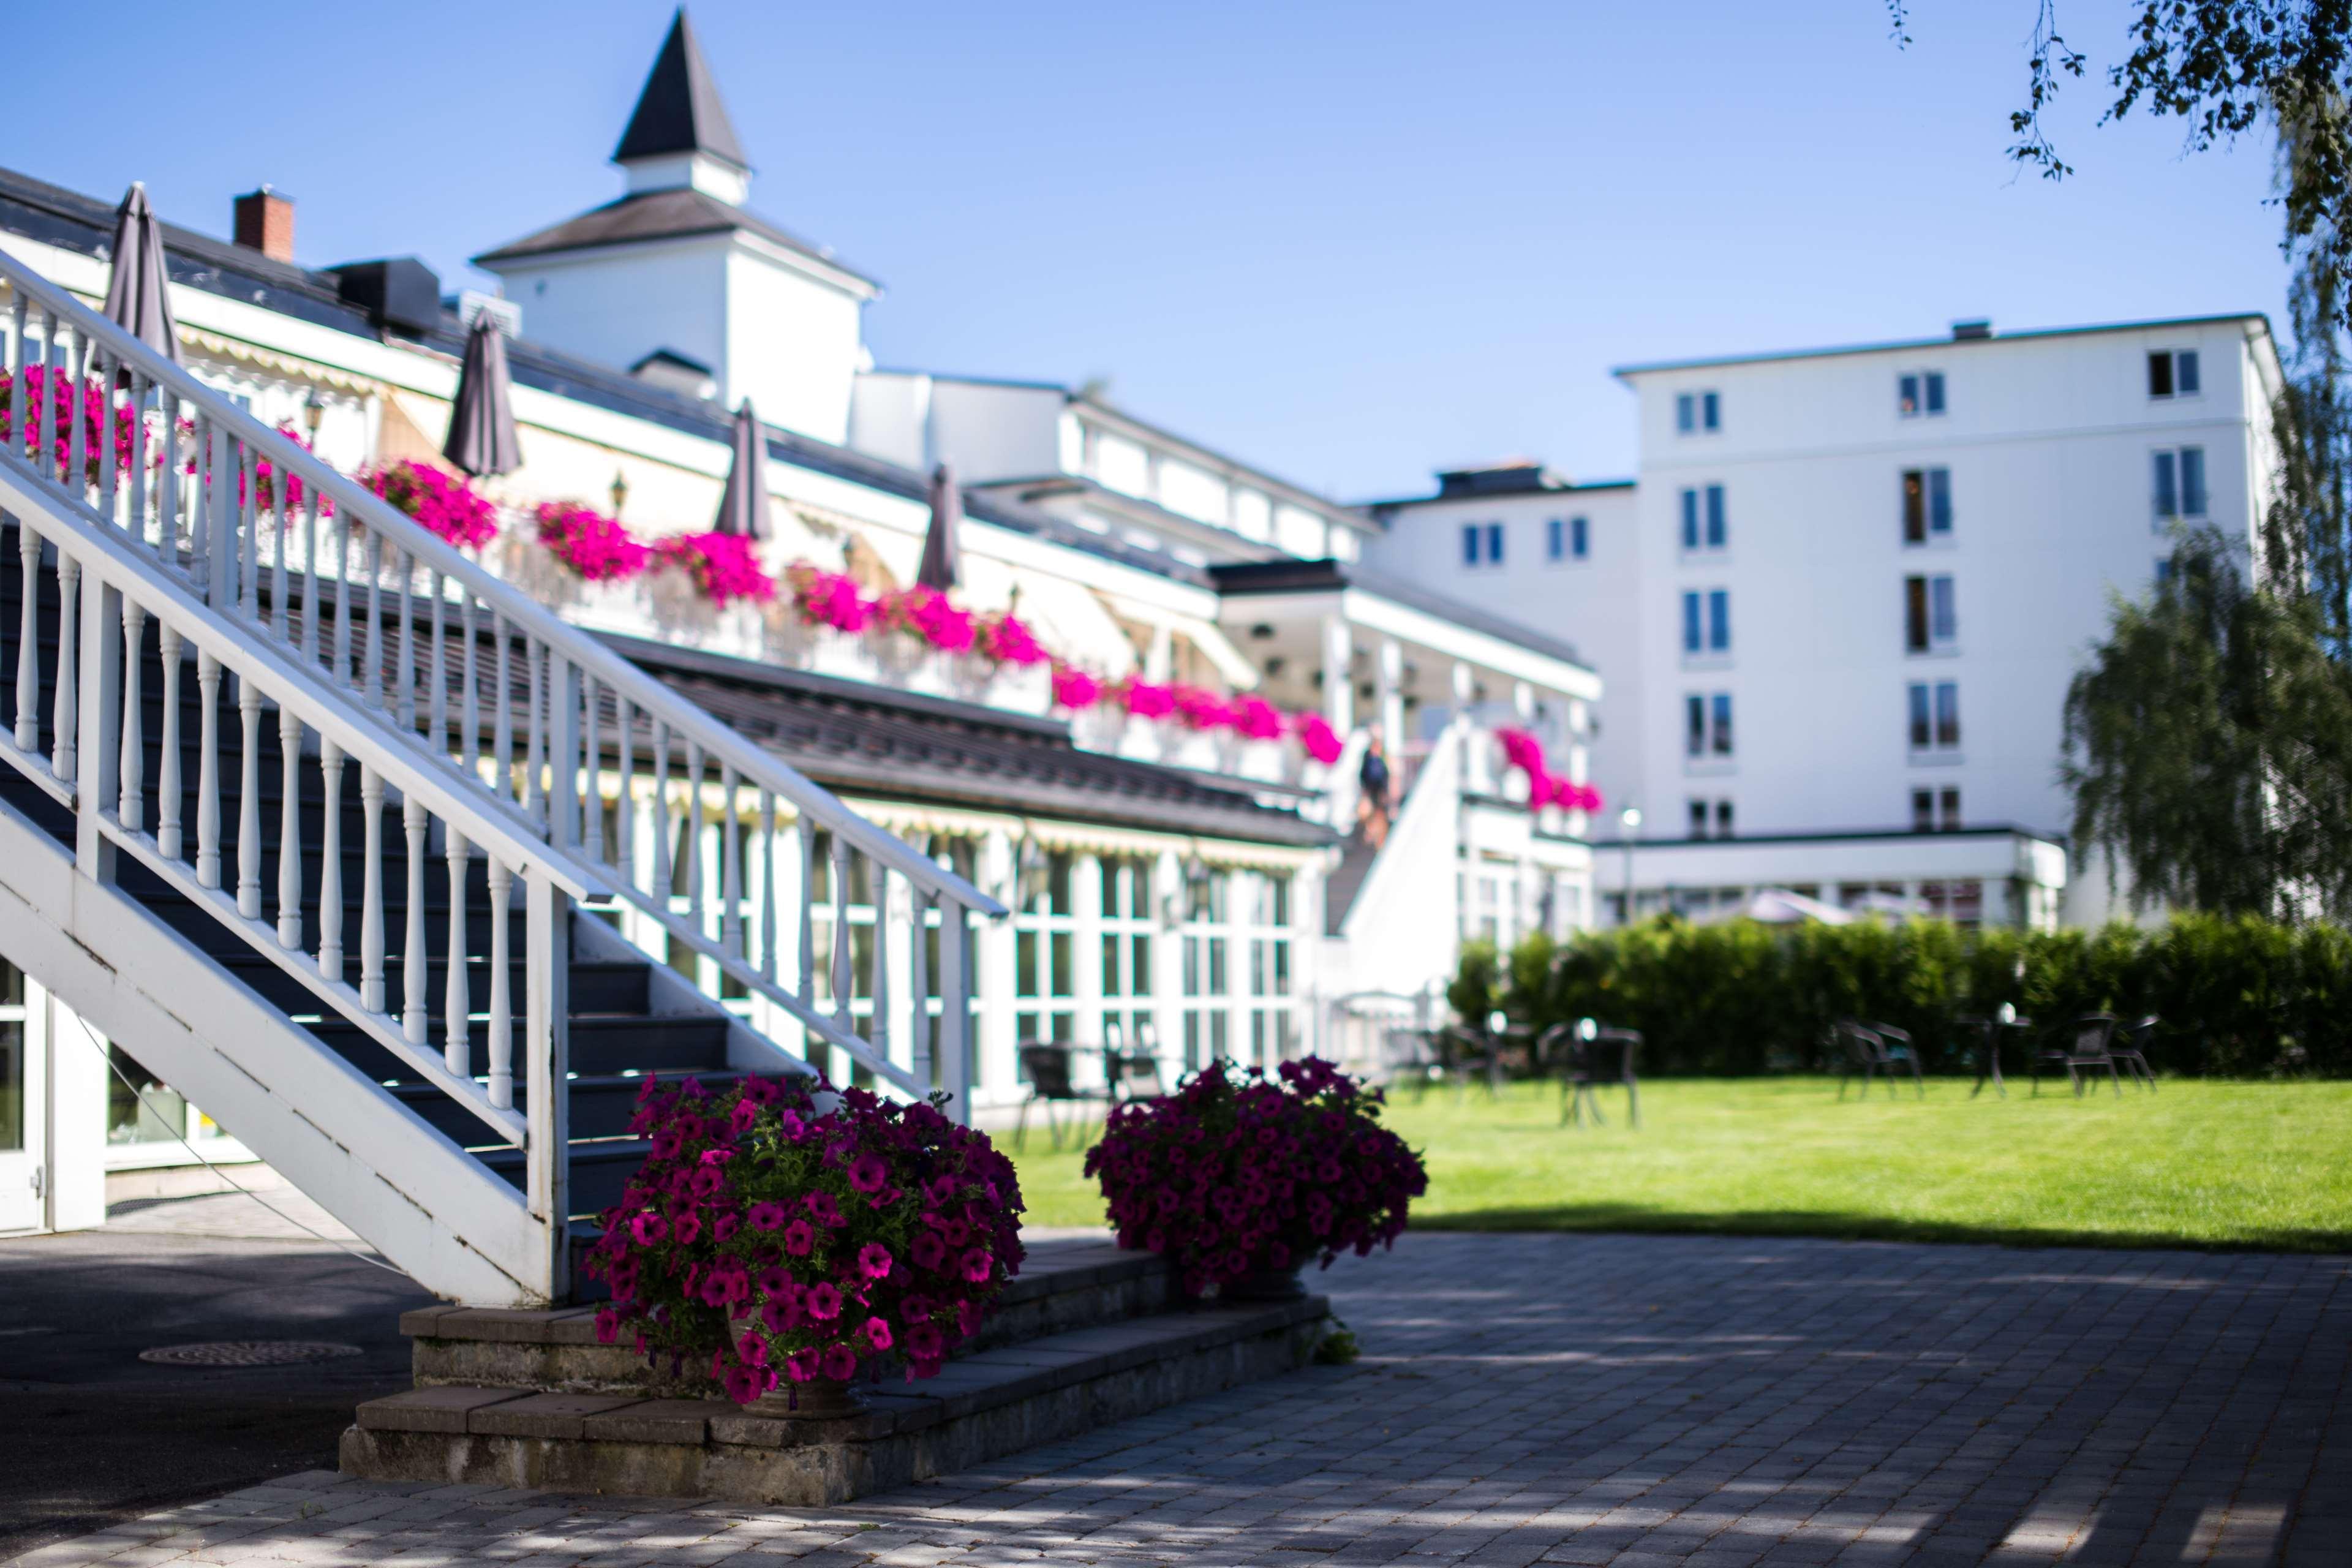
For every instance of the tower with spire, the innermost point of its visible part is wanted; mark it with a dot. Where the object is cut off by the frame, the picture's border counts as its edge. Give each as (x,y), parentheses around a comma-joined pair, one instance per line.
(679,282)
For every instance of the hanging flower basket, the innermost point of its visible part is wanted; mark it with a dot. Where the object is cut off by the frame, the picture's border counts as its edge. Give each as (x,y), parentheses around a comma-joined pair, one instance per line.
(788,1237)
(439,501)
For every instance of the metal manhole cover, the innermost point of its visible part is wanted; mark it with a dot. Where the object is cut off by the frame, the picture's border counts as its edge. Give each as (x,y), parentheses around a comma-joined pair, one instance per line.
(248,1352)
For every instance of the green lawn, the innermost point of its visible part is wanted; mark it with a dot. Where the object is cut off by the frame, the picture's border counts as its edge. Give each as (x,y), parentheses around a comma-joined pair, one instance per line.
(2201,1164)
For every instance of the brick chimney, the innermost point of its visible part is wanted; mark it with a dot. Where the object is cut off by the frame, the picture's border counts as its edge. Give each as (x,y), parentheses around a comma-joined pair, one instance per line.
(264,222)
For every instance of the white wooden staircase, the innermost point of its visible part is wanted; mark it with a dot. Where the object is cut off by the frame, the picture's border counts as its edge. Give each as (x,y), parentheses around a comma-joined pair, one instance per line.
(302,803)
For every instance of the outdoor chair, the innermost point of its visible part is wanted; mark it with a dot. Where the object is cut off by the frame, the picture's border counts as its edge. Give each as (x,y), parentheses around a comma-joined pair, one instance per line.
(1979,1040)
(2084,1046)
(1050,1082)
(2130,1048)
(1867,1051)
(1599,1055)
(1462,1053)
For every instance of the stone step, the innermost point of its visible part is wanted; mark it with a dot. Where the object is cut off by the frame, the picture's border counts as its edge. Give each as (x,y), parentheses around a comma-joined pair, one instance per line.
(1065,1284)
(980,1408)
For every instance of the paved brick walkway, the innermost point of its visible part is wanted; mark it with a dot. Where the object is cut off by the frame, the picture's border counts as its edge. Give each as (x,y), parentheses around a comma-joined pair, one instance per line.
(1616,1400)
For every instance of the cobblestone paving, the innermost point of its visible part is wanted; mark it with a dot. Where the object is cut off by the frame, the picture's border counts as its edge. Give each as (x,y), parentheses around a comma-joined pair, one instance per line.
(1617,1400)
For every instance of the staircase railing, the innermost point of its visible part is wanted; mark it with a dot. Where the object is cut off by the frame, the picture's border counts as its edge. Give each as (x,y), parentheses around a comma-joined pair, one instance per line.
(535,724)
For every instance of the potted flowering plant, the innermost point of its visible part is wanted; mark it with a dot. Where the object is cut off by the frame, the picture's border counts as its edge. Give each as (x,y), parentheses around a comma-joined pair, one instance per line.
(1241,1178)
(723,567)
(795,1237)
(438,501)
(595,548)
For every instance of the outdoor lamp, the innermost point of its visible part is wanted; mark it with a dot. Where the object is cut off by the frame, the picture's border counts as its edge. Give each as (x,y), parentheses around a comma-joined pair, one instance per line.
(1497,1021)
(1631,817)
(1588,1029)
(620,491)
(2008,1012)
(314,413)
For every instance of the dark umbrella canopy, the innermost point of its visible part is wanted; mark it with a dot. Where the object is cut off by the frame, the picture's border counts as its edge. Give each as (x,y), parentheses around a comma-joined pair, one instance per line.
(943,557)
(136,299)
(481,422)
(744,507)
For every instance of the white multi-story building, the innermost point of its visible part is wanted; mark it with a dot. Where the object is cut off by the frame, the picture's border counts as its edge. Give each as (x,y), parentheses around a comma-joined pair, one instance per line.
(1840,608)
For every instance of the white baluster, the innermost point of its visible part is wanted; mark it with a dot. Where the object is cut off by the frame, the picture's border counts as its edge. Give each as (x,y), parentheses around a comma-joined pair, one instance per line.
(501,1025)
(502,709)
(371,890)
(249,809)
(456,1051)
(954,1049)
(311,576)
(404,685)
(331,863)
(808,911)
(534,744)
(136,519)
(692,836)
(731,887)
(919,986)
(413,956)
(167,771)
(770,922)
(842,980)
(208,826)
(67,723)
(248,517)
(374,679)
(625,811)
(289,829)
(591,783)
(280,606)
(665,877)
(28,642)
(436,667)
(342,610)
(470,714)
(131,807)
(879,972)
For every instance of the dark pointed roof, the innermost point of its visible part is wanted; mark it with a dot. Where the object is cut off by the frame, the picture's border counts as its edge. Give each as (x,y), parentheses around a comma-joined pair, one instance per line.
(680,110)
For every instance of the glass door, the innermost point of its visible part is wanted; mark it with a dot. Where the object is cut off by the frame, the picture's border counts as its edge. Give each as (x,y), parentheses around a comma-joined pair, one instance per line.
(22,1099)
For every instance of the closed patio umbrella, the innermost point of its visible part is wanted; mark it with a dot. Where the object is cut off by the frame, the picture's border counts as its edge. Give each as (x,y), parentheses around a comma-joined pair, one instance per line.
(942,554)
(136,299)
(744,507)
(481,421)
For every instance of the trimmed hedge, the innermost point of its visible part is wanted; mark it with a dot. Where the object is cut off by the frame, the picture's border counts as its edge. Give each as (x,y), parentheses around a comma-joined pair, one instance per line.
(2239,997)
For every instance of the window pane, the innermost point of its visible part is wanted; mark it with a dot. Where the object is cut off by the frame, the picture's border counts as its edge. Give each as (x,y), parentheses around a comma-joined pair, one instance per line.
(1579,531)
(1139,977)
(1690,623)
(1946,619)
(1951,805)
(1683,413)
(1065,980)
(1698,819)
(1718,620)
(1948,715)
(1553,544)
(1219,985)
(1695,711)
(2168,492)
(1915,508)
(1935,392)
(1690,520)
(2160,376)
(1723,819)
(1923,811)
(1493,544)
(1025,963)
(1939,501)
(1906,394)
(1914,613)
(1714,517)
(1711,410)
(1723,723)
(2192,481)
(1469,544)
(1920,724)
(2184,372)
(1112,983)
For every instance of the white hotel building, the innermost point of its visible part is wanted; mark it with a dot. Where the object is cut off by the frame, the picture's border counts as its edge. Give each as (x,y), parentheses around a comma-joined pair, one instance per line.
(1839,609)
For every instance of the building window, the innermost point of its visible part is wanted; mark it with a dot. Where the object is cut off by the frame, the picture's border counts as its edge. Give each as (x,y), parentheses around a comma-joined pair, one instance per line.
(1935,716)
(1703,517)
(1927,505)
(1936,810)
(1206,953)
(1918,393)
(2179,483)
(1707,724)
(1707,621)
(1275,1034)
(2172,372)
(1723,819)
(1493,544)
(1129,924)
(1567,538)
(1044,948)
(1470,544)
(1697,411)
(1710,817)
(1930,617)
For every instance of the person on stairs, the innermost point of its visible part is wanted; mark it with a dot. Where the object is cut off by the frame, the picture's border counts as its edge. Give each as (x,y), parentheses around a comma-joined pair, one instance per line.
(1375,791)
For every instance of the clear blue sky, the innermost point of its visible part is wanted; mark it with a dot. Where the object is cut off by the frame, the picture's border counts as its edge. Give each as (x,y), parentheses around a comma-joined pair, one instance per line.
(1352,243)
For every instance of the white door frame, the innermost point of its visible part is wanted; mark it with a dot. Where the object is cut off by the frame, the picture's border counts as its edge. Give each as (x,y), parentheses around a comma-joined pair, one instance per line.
(24,1173)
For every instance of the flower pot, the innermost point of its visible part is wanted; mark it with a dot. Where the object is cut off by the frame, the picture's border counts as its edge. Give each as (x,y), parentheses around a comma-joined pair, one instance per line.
(899,652)
(1265,1285)
(820,1399)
